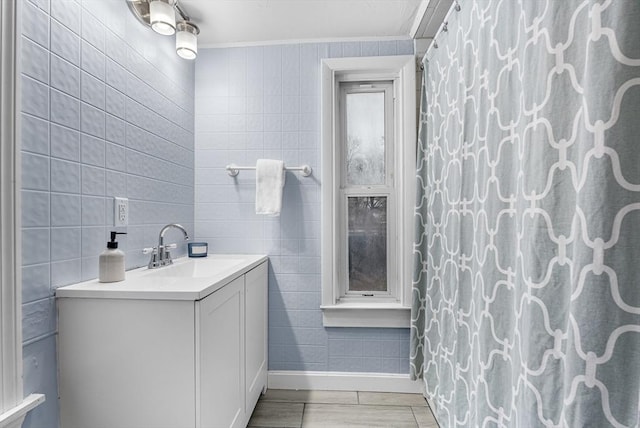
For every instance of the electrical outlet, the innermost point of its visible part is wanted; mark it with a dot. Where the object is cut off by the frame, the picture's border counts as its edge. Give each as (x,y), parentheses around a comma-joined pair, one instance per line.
(120,211)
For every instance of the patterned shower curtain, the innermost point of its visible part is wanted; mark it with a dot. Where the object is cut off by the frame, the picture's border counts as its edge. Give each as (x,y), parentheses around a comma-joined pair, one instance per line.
(527,253)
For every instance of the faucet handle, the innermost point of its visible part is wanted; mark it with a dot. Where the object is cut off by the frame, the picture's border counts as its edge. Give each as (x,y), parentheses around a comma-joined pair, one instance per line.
(149,250)
(169,246)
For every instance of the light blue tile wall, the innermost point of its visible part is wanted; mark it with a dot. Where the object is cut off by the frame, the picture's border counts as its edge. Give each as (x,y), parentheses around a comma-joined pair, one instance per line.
(264,102)
(106,110)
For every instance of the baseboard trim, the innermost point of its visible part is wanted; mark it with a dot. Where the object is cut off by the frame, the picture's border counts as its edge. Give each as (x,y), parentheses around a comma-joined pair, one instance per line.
(343,381)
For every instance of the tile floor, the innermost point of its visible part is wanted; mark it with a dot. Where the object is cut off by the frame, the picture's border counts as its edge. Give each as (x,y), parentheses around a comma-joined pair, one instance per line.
(294,409)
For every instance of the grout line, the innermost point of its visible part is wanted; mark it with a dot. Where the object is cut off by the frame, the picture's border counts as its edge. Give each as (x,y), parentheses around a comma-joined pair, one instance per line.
(304,407)
(414,417)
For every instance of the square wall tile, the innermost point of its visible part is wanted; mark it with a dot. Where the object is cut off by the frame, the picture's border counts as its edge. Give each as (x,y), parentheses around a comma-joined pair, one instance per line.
(93,31)
(92,150)
(92,121)
(255,104)
(35,282)
(116,76)
(35,97)
(35,209)
(93,61)
(115,102)
(65,210)
(65,76)
(35,246)
(35,60)
(35,24)
(35,134)
(291,104)
(116,184)
(35,172)
(115,47)
(65,110)
(65,43)
(65,176)
(67,12)
(115,157)
(42,5)
(94,240)
(90,268)
(93,211)
(38,318)
(65,143)
(92,91)
(65,243)
(65,273)
(93,181)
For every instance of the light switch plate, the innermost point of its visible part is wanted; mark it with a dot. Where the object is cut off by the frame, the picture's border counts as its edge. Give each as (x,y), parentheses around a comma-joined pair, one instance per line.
(120,211)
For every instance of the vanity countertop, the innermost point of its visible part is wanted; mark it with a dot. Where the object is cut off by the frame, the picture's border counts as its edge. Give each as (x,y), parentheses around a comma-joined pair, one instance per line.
(186,279)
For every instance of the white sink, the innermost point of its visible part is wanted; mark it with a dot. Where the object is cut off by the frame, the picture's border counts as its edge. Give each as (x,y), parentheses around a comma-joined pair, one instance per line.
(197,268)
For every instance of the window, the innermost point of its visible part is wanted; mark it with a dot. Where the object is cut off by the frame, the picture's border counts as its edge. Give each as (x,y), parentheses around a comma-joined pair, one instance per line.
(366,193)
(368,178)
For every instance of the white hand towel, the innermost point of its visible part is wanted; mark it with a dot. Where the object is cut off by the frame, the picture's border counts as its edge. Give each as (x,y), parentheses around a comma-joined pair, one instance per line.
(269,185)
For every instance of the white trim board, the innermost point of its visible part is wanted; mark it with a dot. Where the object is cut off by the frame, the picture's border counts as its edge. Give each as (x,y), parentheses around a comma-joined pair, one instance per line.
(343,381)
(13,418)
(304,41)
(13,407)
(10,296)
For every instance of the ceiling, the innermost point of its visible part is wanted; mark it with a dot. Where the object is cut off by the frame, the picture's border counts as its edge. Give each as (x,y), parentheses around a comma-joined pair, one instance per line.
(246,22)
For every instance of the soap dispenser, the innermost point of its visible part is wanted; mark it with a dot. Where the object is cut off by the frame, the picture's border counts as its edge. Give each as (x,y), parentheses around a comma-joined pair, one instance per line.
(112,261)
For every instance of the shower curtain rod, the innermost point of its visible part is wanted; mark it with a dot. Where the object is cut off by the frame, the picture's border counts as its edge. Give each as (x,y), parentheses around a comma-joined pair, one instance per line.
(443,27)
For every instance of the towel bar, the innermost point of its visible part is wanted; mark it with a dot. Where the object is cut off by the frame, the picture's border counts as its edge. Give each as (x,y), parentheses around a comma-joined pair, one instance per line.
(234,170)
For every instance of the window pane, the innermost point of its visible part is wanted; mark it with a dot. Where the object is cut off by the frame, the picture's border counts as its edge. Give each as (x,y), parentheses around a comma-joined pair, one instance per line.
(365,138)
(367,243)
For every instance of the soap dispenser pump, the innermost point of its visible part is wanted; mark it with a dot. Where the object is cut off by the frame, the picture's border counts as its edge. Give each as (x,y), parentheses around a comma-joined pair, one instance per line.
(111,267)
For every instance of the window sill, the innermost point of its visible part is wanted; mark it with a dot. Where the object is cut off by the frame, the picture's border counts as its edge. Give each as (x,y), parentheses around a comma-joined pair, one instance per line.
(386,315)
(14,417)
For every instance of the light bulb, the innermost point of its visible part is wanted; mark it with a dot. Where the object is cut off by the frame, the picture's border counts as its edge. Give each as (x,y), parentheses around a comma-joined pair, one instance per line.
(187,40)
(162,17)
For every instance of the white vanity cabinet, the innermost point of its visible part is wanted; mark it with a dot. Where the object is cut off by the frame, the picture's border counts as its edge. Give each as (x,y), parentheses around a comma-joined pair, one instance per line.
(153,354)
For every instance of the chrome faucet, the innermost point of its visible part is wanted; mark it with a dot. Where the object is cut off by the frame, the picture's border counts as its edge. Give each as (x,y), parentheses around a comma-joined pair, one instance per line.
(160,255)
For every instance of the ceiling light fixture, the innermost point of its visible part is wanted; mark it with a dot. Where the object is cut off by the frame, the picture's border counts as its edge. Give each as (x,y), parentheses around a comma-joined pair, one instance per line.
(187,40)
(160,15)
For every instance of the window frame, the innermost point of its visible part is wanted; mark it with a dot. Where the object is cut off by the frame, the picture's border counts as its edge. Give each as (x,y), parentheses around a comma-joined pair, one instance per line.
(341,309)
(346,87)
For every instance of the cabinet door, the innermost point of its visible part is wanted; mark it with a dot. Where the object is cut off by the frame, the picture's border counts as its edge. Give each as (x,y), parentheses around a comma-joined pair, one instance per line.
(221,349)
(256,333)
